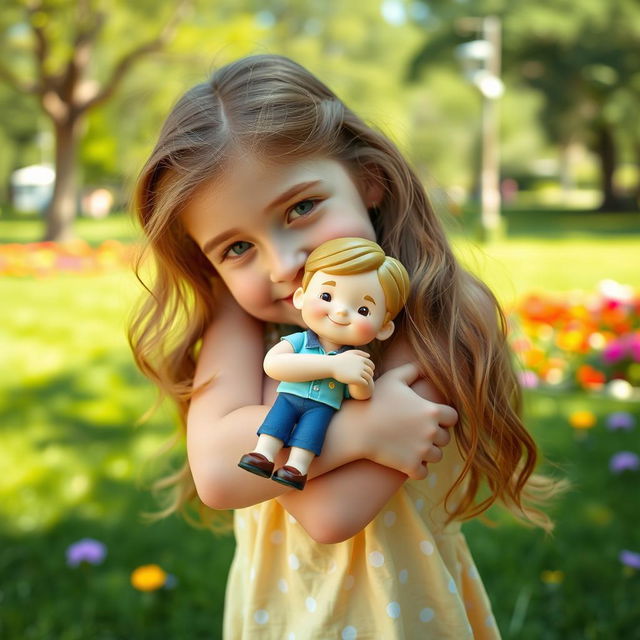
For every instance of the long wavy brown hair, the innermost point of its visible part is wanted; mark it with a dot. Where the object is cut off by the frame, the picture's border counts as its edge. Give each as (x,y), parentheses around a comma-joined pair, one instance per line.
(269,104)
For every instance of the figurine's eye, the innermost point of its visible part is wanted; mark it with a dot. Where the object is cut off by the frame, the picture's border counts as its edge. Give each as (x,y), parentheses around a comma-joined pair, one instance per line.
(325,296)
(364,311)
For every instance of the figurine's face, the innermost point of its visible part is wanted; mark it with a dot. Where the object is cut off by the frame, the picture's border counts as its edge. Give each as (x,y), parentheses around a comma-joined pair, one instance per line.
(347,310)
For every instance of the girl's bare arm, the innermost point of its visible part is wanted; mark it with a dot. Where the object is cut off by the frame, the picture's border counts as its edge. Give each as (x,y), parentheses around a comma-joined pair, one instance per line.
(225,414)
(337,505)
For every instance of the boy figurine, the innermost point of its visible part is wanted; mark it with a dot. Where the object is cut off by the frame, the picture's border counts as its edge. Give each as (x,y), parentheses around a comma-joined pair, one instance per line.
(350,294)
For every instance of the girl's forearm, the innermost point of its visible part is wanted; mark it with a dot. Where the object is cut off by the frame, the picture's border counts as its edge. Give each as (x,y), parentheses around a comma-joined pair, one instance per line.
(337,505)
(216,444)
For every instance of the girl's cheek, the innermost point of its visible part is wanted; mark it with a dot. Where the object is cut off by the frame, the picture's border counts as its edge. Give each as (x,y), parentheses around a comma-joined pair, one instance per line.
(246,291)
(349,224)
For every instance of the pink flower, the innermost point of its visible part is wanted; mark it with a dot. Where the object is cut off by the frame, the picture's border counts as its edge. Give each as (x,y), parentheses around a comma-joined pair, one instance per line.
(528,379)
(614,352)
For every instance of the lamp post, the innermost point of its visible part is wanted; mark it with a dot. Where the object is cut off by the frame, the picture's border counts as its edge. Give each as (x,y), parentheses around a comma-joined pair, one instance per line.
(481,62)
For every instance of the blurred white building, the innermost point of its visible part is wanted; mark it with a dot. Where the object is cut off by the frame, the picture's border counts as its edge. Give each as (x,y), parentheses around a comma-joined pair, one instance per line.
(32,187)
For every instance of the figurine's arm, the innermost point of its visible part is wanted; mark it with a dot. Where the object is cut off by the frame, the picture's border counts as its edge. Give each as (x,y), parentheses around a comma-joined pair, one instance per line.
(282,363)
(350,367)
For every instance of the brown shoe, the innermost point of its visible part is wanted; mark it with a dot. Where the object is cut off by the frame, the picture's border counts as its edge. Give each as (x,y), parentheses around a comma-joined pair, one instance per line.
(256,463)
(290,476)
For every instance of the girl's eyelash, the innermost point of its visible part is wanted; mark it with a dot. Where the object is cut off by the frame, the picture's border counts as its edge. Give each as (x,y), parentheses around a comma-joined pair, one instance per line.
(313,201)
(226,252)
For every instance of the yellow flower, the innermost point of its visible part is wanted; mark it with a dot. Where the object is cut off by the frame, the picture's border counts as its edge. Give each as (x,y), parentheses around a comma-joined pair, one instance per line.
(148,577)
(582,419)
(552,577)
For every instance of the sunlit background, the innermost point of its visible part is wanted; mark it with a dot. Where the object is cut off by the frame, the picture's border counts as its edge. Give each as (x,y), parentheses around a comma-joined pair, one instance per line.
(522,120)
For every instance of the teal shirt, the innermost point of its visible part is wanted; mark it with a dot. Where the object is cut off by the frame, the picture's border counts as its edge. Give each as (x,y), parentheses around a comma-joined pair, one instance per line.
(328,391)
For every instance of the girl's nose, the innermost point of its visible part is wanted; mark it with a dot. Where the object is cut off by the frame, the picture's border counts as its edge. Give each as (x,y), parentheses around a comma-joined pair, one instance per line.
(285,265)
(342,311)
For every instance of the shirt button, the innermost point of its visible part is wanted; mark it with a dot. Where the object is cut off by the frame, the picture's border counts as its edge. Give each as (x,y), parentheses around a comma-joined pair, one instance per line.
(316,388)
(332,385)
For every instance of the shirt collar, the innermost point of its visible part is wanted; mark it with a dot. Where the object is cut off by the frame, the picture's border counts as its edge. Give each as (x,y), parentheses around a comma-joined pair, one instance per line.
(313,342)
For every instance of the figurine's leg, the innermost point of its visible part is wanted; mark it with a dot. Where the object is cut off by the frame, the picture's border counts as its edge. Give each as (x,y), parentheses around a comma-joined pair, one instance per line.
(306,443)
(271,437)
(268,446)
(300,459)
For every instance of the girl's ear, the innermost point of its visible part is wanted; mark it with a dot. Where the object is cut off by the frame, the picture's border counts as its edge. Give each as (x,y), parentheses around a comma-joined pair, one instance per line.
(298,298)
(373,185)
(387,330)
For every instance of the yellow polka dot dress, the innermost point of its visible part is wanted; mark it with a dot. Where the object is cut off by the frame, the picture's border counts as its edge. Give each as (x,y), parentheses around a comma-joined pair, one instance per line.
(405,576)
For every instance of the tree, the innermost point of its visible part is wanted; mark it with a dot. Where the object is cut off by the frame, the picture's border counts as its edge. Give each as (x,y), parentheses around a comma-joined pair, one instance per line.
(582,56)
(61,37)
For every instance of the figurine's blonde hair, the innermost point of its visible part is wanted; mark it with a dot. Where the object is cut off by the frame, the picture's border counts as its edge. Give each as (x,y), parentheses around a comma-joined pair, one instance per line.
(273,107)
(350,256)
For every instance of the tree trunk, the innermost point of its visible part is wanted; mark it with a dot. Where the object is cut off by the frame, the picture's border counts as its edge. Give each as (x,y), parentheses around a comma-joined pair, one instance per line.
(636,193)
(607,153)
(62,209)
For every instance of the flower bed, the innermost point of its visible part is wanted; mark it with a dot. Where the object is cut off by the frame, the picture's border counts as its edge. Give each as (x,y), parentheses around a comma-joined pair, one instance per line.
(43,259)
(580,341)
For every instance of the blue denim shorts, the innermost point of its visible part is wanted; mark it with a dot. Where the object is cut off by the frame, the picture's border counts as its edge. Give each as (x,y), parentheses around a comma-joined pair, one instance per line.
(298,422)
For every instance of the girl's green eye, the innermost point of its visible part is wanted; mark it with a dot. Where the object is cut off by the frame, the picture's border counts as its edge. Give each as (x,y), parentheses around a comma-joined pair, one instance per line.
(302,208)
(238,248)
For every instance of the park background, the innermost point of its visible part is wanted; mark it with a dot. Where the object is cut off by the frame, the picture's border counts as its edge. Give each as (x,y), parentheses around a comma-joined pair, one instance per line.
(77,465)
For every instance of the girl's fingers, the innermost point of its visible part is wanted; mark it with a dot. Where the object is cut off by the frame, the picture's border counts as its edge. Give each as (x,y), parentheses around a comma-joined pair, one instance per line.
(442,437)
(447,416)
(407,373)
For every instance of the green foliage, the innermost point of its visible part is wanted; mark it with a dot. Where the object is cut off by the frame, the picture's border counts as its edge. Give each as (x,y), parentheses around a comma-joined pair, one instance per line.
(581,57)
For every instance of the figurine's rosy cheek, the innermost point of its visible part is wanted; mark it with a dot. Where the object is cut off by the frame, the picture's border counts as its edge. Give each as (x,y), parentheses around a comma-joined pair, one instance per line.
(364,330)
(316,308)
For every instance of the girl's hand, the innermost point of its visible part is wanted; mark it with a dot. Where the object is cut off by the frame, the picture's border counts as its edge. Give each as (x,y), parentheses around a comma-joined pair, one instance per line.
(352,367)
(405,431)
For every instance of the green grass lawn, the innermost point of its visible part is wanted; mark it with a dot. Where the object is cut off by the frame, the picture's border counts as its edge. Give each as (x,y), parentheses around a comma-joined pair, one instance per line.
(76,465)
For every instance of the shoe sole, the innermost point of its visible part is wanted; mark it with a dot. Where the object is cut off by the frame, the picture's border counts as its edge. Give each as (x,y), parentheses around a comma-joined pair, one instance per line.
(288,483)
(257,470)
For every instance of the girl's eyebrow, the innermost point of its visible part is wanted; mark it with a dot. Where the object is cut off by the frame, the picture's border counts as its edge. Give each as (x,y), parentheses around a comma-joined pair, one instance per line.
(279,200)
(291,193)
(219,239)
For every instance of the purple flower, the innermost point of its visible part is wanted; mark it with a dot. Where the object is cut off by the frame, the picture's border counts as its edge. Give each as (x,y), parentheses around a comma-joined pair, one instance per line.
(621,420)
(528,379)
(634,347)
(624,461)
(630,559)
(86,550)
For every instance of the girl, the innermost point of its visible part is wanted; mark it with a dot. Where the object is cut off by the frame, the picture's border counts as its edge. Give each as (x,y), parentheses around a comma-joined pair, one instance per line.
(253,170)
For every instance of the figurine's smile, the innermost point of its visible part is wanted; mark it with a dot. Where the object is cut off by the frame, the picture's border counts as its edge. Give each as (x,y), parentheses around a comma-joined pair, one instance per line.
(342,324)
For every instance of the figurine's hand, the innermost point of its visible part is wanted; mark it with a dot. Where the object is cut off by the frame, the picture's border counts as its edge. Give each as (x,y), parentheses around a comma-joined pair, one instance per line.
(353,367)
(405,431)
